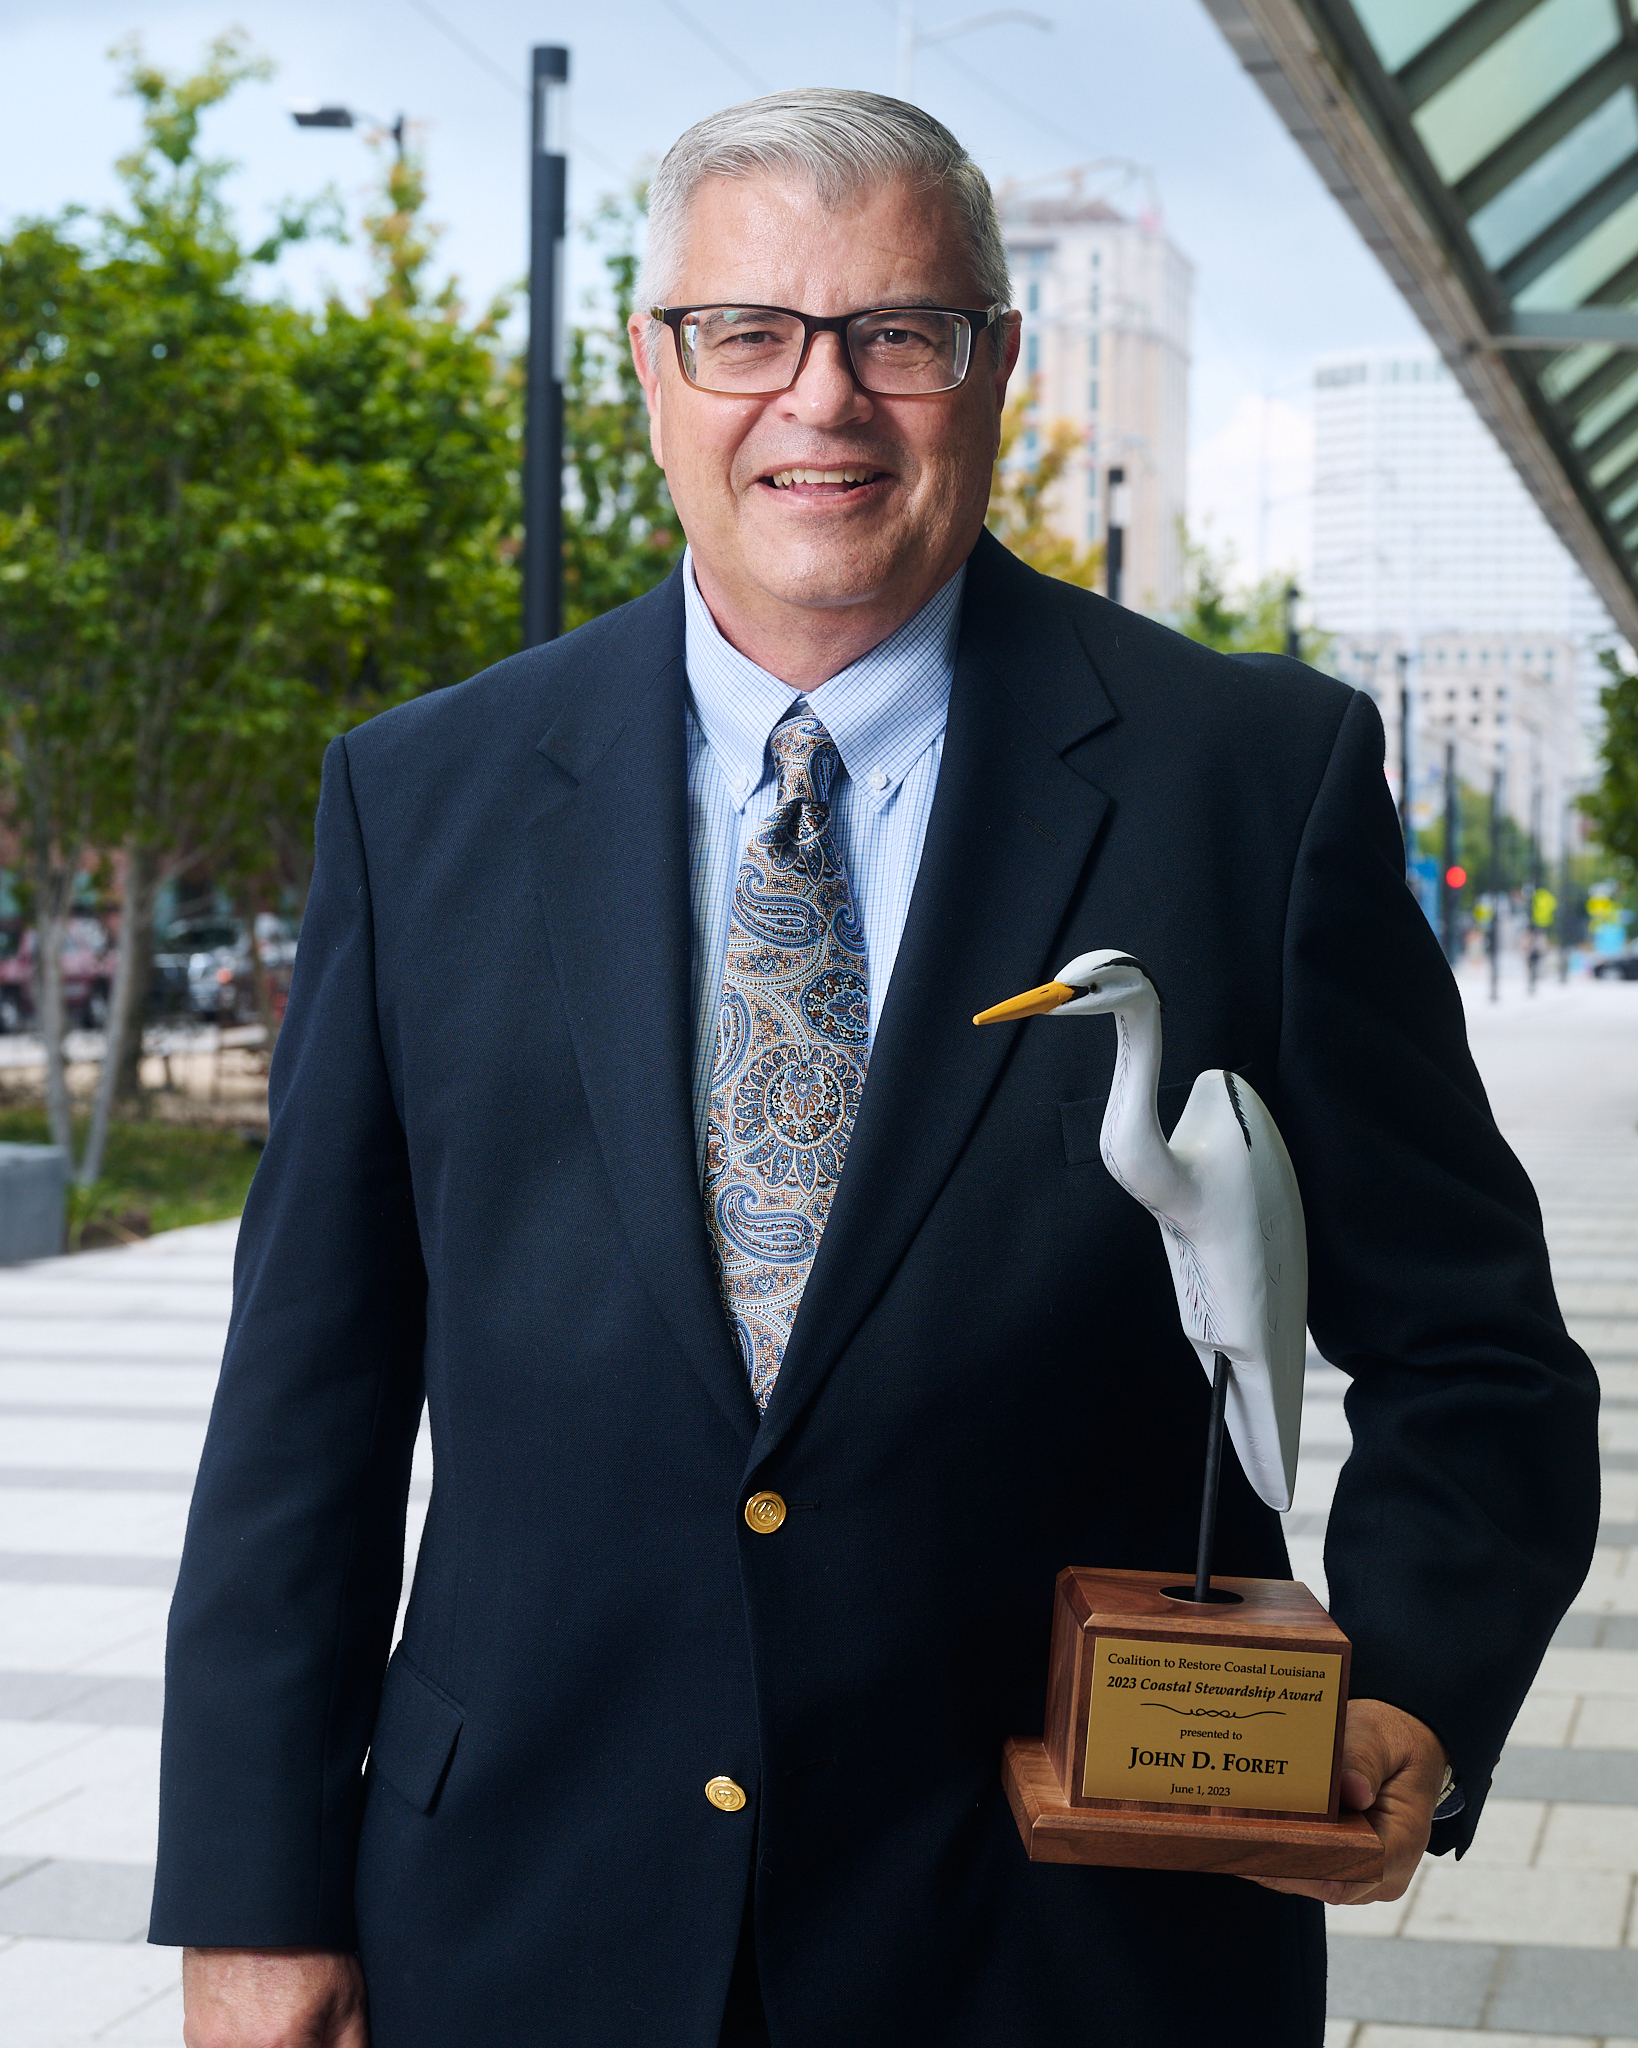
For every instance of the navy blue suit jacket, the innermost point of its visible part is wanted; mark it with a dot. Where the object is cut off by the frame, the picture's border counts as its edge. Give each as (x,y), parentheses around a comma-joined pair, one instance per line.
(481,1185)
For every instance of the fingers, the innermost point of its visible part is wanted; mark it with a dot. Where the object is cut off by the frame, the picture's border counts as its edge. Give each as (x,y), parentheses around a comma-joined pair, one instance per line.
(1392,1766)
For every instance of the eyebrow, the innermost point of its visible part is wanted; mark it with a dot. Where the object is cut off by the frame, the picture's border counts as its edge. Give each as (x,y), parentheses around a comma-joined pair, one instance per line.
(910,301)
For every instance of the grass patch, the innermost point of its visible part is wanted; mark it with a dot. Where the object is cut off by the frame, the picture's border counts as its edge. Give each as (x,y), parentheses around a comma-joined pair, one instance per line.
(170,1174)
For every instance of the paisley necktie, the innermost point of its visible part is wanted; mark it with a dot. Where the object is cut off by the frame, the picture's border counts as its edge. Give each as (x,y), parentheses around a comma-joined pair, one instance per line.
(792,1035)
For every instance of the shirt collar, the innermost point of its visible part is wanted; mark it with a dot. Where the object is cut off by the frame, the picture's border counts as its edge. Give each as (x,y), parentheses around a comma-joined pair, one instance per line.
(883,711)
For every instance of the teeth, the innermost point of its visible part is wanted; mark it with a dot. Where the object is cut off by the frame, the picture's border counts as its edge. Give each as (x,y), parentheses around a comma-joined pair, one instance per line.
(784,478)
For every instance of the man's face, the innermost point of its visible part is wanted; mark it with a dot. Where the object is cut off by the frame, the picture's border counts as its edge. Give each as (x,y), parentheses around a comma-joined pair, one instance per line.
(883,543)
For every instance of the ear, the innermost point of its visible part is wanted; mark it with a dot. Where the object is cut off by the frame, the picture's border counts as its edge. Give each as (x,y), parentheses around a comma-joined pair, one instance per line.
(1006,355)
(1006,361)
(638,328)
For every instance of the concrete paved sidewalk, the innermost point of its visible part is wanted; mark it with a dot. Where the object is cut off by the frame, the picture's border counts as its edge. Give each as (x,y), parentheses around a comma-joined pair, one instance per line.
(107,1363)
(1531,1937)
(107,1366)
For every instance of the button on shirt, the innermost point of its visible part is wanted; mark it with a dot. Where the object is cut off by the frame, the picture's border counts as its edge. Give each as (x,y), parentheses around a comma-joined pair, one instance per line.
(886,714)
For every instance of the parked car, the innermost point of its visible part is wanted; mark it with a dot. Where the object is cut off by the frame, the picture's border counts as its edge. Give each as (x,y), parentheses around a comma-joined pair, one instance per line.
(16,1002)
(203,967)
(1622,966)
(88,971)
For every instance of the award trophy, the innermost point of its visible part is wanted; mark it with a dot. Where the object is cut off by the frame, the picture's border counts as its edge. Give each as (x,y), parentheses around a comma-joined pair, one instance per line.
(1197,1726)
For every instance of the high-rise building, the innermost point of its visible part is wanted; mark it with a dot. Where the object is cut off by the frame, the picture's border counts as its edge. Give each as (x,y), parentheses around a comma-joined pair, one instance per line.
(1439,577)
(1105,300)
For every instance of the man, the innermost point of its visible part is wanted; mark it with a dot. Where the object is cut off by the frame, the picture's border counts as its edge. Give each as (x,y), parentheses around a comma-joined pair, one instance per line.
(782,1336)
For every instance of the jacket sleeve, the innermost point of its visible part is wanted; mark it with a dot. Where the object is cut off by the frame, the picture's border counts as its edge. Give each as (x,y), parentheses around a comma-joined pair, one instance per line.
(1465,1516)
(291,1569)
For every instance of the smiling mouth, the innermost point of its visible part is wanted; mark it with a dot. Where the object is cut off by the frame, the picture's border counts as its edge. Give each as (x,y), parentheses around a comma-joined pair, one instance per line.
(851,479)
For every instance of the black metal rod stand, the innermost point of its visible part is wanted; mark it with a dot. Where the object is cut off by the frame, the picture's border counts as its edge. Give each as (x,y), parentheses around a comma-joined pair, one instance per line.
(1214,1473)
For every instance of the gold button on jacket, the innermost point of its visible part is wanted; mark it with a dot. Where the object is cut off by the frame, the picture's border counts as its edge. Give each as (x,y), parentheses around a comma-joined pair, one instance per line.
(764,1512)
(725,1795)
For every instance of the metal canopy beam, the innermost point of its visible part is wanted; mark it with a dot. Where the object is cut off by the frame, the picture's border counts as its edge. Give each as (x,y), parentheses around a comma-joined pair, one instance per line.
(1467,37)
(1314,63)
(1582,97)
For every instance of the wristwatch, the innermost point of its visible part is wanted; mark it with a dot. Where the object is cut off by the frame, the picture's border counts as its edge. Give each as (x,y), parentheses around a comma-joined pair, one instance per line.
(1451,1798)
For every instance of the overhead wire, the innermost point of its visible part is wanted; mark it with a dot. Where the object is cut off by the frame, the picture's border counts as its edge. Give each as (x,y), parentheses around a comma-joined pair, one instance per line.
(1031,114)
(718,48)
(504,78)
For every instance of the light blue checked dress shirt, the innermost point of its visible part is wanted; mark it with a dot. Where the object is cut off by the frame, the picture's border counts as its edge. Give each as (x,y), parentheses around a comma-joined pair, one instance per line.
(886,714)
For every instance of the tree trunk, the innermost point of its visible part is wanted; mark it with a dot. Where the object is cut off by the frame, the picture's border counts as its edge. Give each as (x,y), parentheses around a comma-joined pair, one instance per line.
(53,900)
(142,886)
(261,982)
(130,982)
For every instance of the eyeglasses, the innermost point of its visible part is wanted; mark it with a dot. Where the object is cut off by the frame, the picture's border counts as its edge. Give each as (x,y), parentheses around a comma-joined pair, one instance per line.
(756,351)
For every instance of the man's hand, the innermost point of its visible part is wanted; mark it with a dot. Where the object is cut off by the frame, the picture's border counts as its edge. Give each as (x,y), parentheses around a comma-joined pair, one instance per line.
(272,1998)
(1392,1767)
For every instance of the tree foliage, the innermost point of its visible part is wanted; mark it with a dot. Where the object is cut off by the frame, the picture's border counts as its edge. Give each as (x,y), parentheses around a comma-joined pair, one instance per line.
(1517,857)
(145,430)
(1021,493)
(231,529)
(1613,806)
(228,530)
(1250,620)
(621,534)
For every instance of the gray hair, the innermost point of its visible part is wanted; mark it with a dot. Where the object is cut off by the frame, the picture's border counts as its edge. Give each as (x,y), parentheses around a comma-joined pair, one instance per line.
(843,142)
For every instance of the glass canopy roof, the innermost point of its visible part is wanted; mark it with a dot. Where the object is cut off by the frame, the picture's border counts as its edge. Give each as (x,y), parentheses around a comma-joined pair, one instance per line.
(1489,153)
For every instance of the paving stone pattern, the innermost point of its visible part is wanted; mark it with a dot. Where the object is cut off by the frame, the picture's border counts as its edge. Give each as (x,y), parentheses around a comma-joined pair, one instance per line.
(1531,1937)
(107,1365)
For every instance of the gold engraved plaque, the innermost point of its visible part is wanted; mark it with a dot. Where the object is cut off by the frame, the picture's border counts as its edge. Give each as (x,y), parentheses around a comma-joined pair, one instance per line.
(1212,1724)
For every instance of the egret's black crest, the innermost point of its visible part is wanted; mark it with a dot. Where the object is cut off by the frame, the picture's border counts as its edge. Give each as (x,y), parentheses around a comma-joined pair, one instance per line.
(1128,960)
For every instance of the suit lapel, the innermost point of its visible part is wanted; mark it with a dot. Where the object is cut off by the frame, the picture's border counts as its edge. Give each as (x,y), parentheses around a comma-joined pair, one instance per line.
(611,834)
(1012,829)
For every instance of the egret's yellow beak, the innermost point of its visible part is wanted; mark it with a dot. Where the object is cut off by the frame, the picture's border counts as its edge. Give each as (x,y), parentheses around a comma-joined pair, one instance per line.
(1034,1002)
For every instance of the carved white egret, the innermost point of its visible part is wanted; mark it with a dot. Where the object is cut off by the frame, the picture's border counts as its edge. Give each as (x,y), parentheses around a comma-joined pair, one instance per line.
(1230,1215)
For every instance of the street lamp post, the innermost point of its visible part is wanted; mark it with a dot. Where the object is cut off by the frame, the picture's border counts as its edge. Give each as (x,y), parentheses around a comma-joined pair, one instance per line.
(1403,660)
(310,115)
(1293,633)
(912,39)
(1114,543)
(1497,788)
(543,424)
(1452,896)
(1535,939)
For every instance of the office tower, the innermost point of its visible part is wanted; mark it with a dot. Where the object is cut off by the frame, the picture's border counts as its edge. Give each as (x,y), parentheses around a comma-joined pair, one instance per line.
(1437,574)
(1105,299)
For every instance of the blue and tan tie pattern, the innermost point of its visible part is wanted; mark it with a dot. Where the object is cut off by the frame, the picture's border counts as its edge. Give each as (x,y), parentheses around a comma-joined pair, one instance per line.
(793,1031)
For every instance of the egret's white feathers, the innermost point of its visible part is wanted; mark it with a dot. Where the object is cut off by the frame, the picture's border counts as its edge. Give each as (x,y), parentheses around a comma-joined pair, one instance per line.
(1230,1213)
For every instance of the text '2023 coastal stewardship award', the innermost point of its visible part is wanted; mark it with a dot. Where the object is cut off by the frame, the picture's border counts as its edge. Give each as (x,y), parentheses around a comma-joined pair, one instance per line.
(1197,1726)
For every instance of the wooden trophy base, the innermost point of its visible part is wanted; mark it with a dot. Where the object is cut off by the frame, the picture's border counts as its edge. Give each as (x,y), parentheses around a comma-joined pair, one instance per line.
(1234,1844)
(1191,1737)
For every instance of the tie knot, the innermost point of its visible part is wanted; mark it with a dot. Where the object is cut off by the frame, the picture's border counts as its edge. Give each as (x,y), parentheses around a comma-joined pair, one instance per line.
(807,759)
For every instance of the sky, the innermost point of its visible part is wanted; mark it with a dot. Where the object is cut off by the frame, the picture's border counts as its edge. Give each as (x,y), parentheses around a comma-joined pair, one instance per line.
(1280,276)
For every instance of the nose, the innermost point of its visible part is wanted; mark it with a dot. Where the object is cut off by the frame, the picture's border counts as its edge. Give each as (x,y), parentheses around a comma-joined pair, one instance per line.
(826,393)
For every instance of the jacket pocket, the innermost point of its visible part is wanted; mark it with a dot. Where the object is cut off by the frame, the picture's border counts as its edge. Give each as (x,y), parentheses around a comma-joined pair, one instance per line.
(416,1731)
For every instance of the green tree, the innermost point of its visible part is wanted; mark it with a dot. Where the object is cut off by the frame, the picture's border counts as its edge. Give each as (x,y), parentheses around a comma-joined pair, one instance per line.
(397,536)
(1517,862)
(227,530)
(148,412)
(230,529)
(621,534)
(1613,805)
(1021,490)
(1237,621)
